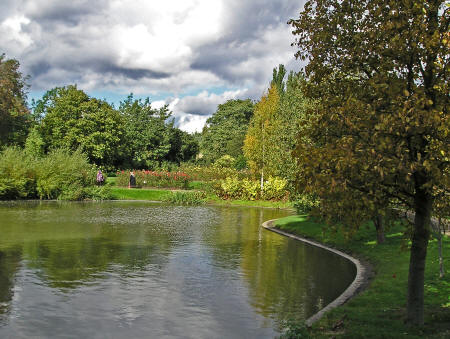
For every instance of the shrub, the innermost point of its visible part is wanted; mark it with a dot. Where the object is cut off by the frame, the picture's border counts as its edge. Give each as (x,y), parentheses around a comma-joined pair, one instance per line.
(58,175)
(225,161)
(231,188)
(211,173)
(305,203)
(247,189)
(64,175)
(17,174)
(185,198)
(275,189)
(250,189)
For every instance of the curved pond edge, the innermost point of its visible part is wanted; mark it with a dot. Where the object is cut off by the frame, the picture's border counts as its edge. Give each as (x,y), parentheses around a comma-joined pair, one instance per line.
(363,272)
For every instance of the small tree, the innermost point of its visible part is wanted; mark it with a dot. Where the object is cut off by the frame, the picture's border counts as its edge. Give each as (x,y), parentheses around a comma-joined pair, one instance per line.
(259,147)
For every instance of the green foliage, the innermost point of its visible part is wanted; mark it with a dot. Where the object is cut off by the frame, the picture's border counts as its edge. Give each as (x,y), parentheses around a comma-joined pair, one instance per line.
(190,198)
(225,161)
(240,163)
(17,175)
(210,173)
(64,175)
(225,130)
(60,175)
(34,144)
(15,118)
(272,134)
(305,203)
(278,78)
(259,144)
(151,138)
(386,292)
(160,179)
(73,120)
(274,189)
(247,189)
(379,130)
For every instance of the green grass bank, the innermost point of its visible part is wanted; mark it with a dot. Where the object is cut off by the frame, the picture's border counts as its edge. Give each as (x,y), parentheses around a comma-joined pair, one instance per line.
(379,311)
(156,194)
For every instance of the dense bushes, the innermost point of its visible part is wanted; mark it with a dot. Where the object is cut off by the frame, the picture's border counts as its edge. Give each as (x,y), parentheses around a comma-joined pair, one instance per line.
(159,179)
(305,203)
(212,172)
(58,175)
(247,189)
(17,175)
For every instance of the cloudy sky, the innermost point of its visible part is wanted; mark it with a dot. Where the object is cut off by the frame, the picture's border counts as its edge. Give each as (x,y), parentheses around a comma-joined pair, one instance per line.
(190,54)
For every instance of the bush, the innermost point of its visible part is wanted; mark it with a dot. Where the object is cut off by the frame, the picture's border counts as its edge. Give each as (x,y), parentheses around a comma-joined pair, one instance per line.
(305,203)
(64,175)
(17,175)
(225,161)
(250,189)
(275,189)
(247,189)
(211,173)
(185,198)
(59,175)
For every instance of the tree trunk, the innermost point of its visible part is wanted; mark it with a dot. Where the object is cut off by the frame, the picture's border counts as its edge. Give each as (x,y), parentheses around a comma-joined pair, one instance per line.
(420,237)
(441,260)
(378,222)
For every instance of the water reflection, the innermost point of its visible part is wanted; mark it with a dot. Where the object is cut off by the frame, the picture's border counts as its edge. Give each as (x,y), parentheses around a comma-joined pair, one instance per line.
(139,269)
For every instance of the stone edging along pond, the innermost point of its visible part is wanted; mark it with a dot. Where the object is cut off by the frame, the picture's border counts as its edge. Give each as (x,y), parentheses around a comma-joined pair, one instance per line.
(362,273)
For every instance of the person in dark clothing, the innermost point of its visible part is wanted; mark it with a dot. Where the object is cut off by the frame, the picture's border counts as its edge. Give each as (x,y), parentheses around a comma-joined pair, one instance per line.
(132,180)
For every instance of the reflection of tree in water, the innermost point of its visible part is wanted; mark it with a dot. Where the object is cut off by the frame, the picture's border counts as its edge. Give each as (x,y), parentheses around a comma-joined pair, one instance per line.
(286,278)
(74,262)
(291,279)
(9,265)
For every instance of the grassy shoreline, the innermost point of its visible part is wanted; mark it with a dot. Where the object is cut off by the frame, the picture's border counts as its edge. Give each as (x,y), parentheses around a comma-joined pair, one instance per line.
(124,193)
(378,312)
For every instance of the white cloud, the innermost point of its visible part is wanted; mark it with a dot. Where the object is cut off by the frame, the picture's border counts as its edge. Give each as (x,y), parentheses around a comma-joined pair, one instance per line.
(152,48)
(191,112)
(11,31)
(191,123)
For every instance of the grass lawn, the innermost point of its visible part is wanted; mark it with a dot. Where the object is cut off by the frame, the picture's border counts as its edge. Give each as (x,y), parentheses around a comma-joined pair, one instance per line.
(379,311)
(122,193)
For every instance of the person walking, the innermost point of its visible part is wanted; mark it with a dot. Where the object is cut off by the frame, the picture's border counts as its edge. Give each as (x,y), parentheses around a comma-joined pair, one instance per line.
(100,178)
(132,182)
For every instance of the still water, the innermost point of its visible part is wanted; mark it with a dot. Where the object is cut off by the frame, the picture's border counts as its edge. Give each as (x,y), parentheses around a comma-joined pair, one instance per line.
(143,270)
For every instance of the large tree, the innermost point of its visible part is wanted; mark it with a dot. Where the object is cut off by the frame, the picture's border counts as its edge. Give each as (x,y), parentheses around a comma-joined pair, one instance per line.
(225,130)
(15,117)
(378,71)
(71,119)
(151,137)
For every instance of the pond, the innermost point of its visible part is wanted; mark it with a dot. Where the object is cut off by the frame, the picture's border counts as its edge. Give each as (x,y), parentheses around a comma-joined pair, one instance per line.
(140,270)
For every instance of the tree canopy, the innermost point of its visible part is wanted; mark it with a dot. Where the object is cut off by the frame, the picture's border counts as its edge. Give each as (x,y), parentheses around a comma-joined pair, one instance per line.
(378,72)
(150,136)
(15,117)
(260,146)
(225,130)
(72,120)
